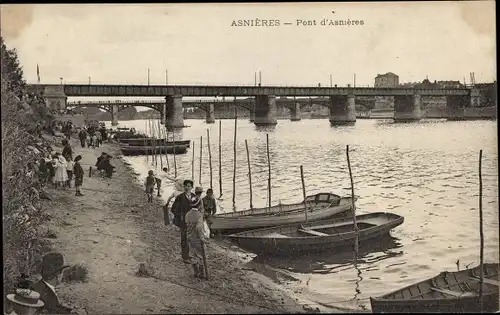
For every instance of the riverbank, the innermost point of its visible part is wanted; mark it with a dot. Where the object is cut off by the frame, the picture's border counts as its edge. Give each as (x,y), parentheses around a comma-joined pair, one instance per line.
(111,230)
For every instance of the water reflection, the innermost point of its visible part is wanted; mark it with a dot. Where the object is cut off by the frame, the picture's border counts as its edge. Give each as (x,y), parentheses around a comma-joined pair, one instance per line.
(270,128)
(325,263)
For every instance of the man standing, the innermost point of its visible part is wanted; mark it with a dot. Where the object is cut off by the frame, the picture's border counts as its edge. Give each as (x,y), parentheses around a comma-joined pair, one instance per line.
(209,204)
(83,137)
(181,206)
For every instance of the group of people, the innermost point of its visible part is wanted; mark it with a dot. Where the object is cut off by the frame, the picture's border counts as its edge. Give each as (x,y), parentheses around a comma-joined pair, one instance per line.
(190,212)
(92,136)
(60,169)
(104,166)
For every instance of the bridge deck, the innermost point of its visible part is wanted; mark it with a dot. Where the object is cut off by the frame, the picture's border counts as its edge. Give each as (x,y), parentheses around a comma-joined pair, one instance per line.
(199,91)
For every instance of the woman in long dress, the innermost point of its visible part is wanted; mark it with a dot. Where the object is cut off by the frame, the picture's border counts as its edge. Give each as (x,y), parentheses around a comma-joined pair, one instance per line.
(61,175)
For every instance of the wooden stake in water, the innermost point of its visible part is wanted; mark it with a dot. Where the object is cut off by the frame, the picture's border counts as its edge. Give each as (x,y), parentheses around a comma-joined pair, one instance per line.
(269,172)
(481,235)
(165,136)
(153,129)
(160,146)
(356,230)
(220,158)
(303,190)
(234,155)
(145,141)
(201,158)
(249,174)
(209,157)
(175,153)
(192,162)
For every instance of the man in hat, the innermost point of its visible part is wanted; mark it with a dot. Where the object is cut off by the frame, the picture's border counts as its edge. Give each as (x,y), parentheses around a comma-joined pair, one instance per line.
(181,206)
(25,302)
(198,191)
(209,204)
(178,189)
(52,267)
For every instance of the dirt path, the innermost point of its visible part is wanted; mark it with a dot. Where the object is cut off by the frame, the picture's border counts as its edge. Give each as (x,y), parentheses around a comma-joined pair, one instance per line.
(112,229)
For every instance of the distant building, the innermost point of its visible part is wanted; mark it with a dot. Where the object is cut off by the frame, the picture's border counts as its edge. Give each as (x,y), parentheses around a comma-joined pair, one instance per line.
(386,80)
(450,84)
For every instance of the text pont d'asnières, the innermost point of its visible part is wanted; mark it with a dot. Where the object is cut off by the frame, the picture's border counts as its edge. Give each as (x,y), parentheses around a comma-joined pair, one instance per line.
(297,22)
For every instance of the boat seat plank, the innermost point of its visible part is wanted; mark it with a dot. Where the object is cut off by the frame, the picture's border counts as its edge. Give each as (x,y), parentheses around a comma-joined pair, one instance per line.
(312,232)
(486,280)
(453,293)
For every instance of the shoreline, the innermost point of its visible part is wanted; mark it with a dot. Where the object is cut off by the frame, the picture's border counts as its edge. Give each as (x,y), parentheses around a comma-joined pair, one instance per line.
(111,230)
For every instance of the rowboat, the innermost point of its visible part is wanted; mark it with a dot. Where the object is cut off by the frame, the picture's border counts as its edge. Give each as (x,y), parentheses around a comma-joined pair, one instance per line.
(143,150)
(151,141)
(320,206)
(317,236)
(448,292)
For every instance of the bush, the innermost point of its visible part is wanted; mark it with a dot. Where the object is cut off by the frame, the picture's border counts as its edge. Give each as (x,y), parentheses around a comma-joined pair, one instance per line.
(20,202)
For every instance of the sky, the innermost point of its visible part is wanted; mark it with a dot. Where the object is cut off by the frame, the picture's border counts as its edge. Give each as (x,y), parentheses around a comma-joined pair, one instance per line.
(117,43)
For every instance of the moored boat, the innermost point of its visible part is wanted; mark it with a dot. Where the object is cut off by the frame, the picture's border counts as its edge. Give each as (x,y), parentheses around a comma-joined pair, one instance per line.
(317,236)
(320,206)
(143,150)
(448,292)
(151,141)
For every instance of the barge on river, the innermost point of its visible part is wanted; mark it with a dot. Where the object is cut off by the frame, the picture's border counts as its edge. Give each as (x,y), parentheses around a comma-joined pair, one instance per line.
(325,235)
(147,141)
(320,206)
(448,292)
(145,150)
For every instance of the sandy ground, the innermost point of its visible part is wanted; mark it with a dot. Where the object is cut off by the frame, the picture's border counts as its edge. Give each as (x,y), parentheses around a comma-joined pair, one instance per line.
(112,229)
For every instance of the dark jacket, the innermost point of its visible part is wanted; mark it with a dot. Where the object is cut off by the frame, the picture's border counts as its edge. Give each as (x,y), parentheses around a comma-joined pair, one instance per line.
(78,170)
(180,207)
(99,162)
(106,165)
(67,152)
(51,302)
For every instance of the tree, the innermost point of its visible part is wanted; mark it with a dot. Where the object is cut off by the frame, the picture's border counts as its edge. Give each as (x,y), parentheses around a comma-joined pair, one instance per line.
(12,70)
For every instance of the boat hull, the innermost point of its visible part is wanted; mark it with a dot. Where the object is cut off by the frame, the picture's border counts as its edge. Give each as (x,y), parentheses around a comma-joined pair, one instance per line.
(151,142)
(277,240)
(147,150)
(448,292)
(318,205)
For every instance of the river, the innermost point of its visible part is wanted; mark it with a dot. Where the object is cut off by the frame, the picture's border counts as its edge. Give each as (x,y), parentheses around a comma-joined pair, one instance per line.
(425,171)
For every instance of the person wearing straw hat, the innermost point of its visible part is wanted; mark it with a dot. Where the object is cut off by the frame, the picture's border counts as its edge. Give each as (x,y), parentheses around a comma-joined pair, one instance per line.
(52,267)
(198,191)
(196,238)
(178,189)
(25,302)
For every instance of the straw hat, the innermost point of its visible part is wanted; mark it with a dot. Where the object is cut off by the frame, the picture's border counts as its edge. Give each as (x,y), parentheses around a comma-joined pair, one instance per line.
(198,189)
(26,297)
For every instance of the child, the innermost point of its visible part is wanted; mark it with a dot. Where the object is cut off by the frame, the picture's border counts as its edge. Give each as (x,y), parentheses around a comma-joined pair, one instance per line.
(150,184)
(69,170)
(95,143)
(78,172)
(196,238)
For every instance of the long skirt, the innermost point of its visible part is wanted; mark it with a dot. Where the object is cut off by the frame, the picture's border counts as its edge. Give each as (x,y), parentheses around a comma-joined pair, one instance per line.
(61,175)
(196,250)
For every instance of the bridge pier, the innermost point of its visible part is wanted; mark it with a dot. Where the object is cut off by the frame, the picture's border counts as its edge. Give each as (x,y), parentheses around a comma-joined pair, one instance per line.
(162,113)
(114,115)
(174,113)
(265,110)
(295,112)
(342,110)
(456,104)
(407,108)
(55,98)
(252,115)
(210,112)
